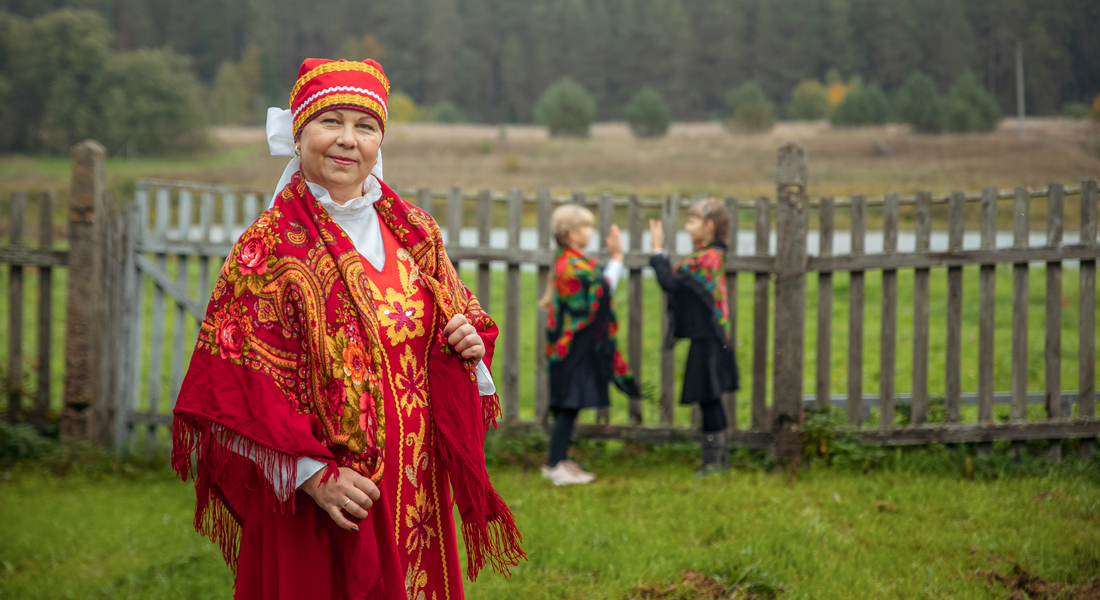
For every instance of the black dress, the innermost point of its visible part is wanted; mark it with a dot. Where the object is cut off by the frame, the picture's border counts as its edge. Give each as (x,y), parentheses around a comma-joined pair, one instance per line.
(711,368)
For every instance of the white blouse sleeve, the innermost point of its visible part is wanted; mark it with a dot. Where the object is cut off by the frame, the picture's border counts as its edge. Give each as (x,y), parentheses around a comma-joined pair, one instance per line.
(613,272)
(307,467)
(485,385)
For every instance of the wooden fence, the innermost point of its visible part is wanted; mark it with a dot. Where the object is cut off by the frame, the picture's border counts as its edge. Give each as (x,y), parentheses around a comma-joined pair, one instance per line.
(179,224)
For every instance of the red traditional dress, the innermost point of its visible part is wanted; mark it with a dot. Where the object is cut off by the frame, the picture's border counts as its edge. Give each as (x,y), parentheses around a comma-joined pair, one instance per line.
(307,350)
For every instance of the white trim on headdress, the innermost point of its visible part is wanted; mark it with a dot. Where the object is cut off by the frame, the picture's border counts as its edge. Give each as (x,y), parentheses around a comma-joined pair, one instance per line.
(280,141)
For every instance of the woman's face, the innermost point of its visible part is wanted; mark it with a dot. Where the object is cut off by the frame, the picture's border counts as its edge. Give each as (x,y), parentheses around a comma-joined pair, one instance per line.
(339,148)
(579,237)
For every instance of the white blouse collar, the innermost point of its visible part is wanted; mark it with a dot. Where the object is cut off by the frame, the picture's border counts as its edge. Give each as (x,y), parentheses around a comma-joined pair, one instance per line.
(354,208)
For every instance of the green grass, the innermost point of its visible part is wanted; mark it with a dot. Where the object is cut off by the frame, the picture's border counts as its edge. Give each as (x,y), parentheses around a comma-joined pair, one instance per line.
(651,336)
(818,535)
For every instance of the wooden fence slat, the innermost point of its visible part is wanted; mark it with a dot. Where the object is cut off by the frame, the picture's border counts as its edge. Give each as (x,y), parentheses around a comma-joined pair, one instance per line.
(606,218)
(229,216)
(729,399)
(136,309)
(986,306)
(454,216)
(45,306)
(670,220)
(1021,214)
(15,312)
(129,316)
(1086,354)
(141,198)
(888,349)
(251,210)
(760,321)
(542,376)
(206,222)
(1053,325)
(511,312)
(179,340)
(484,229)
(160,227)
(634,326)
(856,292)
(424,199)
(956,222)
(919,406)
(824,373)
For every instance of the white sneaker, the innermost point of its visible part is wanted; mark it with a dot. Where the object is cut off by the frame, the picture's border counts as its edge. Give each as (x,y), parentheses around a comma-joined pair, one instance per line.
(572,466)
(562,475)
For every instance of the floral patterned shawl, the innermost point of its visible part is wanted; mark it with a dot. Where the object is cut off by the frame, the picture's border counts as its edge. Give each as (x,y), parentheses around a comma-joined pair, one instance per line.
(287,362)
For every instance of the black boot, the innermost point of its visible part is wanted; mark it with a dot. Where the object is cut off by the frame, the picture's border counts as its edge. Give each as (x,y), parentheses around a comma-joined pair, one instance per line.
(716,453)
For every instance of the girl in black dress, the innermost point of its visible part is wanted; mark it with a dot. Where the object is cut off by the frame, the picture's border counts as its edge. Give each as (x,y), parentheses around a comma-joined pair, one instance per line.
(698,311)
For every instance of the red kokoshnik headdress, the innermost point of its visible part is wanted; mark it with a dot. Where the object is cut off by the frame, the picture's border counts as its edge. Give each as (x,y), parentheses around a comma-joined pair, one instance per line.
(325,84)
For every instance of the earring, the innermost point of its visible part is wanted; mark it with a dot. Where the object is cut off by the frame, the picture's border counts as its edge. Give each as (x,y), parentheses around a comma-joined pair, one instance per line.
(297,151)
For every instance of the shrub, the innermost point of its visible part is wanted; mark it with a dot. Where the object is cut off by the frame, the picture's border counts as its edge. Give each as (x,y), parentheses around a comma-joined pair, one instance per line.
(751,109)
(960,116)
(1075,110)
(447,112)
(967,91)
(402,108)
(1095,115)
(566,108)
(918,103)
(229,101)
(863,105)
(809,101)
(648,113)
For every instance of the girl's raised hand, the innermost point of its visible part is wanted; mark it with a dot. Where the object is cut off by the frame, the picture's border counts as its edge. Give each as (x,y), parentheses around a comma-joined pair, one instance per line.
(657,234)
(615,242)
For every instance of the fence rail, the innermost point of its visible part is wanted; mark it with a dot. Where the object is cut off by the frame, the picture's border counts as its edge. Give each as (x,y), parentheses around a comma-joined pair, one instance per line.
(168,239)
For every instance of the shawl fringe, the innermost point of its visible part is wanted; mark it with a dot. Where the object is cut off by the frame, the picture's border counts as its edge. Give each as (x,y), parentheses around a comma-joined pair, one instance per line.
(488,526)
(490,406)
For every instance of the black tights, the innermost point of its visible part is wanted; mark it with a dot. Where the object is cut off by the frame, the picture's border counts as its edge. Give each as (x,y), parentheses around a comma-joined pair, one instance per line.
(714,416)
(561,435)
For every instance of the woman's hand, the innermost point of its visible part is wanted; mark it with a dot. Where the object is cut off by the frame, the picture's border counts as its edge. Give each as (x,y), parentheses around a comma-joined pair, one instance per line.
(350,492)
(464,338)
(615,242)
(657,234)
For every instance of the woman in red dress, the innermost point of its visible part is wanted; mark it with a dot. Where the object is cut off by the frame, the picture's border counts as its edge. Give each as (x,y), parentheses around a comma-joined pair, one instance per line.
(340,385)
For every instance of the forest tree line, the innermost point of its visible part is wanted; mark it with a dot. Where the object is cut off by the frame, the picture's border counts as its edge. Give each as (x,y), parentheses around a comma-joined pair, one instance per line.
(490,60)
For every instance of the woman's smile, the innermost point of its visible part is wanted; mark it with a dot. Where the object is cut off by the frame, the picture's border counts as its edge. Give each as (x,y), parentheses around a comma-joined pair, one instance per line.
(343,160)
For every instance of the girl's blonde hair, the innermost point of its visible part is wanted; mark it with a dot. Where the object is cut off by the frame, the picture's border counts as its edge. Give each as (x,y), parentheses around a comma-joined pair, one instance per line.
(566,218)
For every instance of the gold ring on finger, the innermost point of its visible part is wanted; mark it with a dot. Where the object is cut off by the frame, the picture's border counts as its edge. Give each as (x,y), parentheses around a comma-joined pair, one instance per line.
(346,503)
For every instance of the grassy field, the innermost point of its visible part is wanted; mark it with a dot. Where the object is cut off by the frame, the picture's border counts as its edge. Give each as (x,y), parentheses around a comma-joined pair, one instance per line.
(916,528)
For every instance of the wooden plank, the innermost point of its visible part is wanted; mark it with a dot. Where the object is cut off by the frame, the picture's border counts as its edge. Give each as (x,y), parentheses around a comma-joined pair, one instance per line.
(251,210)
(923,226)
(760,321)
(454,218)
(1021,213)
(183,217)
(229,216)
(889,335)
(424,199)
(635,296)
(179,340)
(670,216)
(1053,324)
(1086,344)
(45,305)
(928,260)
(163,214)
(791,225)
(15,384)
(824,373)
(542,376)
(856,292)
(159,274)
(606,218)
(484,227)
(980,433)
(33,257)
(511,312)
(206,221)
(956,223)
(729,399)
(987,299)
(141,198)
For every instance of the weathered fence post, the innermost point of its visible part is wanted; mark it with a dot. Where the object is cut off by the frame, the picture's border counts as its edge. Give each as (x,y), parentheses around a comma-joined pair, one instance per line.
(87,224)
(791,222)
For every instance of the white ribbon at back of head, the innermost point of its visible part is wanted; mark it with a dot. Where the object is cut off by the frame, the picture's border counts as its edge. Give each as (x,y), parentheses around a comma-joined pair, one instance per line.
(280,141)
